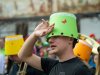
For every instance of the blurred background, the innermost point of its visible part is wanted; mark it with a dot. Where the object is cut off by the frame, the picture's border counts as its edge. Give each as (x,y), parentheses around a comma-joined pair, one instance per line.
(18,16)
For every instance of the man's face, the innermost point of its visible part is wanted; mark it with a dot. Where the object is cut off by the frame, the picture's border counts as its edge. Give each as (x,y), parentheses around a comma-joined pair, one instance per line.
(58,44)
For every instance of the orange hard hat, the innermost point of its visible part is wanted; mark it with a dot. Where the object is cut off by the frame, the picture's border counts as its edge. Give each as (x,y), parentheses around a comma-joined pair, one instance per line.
(83,50)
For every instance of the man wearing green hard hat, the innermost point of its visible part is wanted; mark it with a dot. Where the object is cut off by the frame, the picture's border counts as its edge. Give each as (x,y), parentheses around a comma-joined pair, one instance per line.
(62,35)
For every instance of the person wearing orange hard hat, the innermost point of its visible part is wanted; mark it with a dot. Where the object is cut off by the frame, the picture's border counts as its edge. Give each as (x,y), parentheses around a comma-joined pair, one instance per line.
(85,47)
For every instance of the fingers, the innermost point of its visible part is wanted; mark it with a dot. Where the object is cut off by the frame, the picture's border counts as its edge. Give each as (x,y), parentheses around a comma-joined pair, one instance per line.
(45,22)
(52,25)
(50,28)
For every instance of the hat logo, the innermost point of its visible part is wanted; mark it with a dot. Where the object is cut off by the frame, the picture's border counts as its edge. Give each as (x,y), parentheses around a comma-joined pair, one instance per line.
(64,21)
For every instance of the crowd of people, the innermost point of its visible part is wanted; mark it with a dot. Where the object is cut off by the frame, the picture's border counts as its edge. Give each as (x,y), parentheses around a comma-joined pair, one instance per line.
(63,52)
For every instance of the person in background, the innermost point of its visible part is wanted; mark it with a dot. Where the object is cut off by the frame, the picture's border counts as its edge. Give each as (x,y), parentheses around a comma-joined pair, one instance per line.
(12,45)
(97,61)
(2,57)
(62,35)
(92,63)
(18,66)
(83,50)
(9,64)
(43,49)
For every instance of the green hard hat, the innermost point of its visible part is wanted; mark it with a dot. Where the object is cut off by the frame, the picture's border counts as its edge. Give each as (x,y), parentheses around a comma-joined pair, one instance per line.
(64,25)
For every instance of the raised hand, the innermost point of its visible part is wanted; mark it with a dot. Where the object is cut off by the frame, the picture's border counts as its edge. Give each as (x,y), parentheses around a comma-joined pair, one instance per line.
(43,28)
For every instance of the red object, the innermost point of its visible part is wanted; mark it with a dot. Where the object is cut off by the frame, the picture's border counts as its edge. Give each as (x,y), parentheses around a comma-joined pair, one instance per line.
(92,35)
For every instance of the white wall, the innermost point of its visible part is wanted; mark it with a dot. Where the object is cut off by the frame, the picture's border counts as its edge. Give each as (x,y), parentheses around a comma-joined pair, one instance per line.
(90,25)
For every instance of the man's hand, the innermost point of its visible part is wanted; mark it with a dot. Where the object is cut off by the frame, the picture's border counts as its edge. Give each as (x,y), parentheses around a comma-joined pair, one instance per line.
(43,28)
